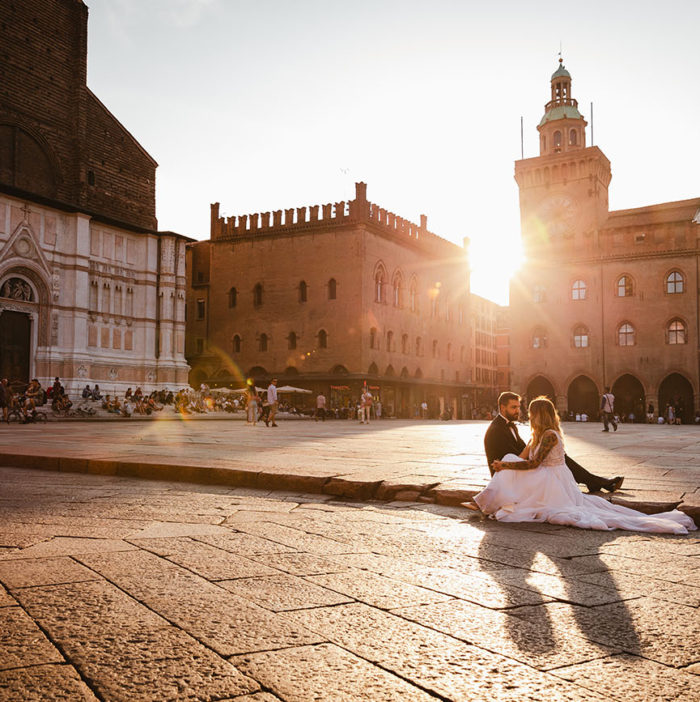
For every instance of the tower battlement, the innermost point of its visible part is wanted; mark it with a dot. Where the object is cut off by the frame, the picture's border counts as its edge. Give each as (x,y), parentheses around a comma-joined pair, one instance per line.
(297,219)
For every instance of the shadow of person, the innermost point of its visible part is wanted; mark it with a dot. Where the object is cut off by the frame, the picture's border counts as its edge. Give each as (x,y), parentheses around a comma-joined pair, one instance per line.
(580,595)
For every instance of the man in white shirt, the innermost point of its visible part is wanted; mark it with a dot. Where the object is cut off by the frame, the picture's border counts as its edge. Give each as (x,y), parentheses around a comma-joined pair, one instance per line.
(607,406)
(320,407)
(272,402)
(365,406)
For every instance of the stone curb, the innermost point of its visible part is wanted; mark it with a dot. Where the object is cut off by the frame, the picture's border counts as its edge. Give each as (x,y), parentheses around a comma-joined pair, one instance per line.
(290,482)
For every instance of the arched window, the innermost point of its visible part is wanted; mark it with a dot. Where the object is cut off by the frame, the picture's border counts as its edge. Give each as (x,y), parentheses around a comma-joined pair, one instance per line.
(538,293)
(544,143)
(236,344)
(232,297)
(413,296)
(578,290)
(419,346)
(435,348)
(302,291)
(373,338)
(625,334)
(323,339)
(539,339)
(379,285)
(262,342)
(434,307)
(397,290)
(557,139)
(676,332)
(292,341)
(674,282)
(461,354)
(390,341)
(573,137)
(624,286)
(331,289)
(404,343)
(581,337)
(449,351)
(258,294)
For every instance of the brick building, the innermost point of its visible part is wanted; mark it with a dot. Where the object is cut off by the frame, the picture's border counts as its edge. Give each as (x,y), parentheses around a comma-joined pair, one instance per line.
(89,289)
(605,298)
(329,297)
(484,324)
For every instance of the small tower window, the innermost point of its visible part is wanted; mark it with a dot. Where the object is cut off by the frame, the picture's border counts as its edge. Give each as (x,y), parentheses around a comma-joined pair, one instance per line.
(578,290)
(292,341)
(557,140)
(262,342)
(302,291)
(236,344)
(674,283)
(331,289)
(573,137)
(258,295)
(323,339)
(625,334)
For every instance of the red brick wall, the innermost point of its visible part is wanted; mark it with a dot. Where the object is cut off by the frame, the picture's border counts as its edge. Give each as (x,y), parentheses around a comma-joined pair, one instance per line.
(52,129)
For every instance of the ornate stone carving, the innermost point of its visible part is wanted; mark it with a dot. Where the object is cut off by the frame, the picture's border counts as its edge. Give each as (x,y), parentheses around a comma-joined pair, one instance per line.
(17,289)
(113,373)
(82,371)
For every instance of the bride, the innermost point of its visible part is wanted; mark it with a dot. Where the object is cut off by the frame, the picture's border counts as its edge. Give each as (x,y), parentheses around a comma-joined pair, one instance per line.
(538,487)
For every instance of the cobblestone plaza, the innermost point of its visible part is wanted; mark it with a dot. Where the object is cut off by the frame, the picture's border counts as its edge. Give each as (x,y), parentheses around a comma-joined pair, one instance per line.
(119,588)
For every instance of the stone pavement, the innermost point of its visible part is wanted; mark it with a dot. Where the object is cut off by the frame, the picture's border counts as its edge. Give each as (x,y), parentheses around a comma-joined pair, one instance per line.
(119,589)
(429,461)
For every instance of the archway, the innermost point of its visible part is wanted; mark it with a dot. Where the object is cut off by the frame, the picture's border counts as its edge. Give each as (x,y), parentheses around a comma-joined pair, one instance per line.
(677,391)
(256,372)
(582,397)
(373,370)
(15,344)
(540,386)
(629,398)
(339,370)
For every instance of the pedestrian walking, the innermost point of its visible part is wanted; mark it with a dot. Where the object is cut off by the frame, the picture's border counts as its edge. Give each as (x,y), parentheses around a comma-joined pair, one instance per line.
(272,403)
(607,406)
(320,407)
(365,406)
(252,399)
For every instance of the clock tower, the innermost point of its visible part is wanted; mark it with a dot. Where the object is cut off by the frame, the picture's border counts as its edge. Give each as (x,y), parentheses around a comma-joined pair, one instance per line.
(564,190)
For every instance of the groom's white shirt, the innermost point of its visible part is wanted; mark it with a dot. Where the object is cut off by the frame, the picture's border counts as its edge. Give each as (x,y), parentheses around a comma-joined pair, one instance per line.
(512,430)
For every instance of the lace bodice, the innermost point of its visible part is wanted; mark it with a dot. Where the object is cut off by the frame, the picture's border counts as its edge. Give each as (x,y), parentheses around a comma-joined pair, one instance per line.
(556,455)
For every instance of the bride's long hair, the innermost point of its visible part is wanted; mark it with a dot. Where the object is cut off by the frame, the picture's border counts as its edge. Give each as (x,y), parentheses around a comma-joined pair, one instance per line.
(543,416)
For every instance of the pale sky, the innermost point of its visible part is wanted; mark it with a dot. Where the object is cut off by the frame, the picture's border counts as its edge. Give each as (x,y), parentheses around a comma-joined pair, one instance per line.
(268,104)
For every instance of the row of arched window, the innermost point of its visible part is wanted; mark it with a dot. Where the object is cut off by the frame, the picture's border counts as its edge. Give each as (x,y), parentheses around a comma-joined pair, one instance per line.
(396,294)
(263,341)
(676,332)
(674,284)
(302,292)
(416,347)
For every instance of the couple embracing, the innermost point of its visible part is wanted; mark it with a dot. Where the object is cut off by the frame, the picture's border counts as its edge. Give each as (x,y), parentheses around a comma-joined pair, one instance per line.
(537,481)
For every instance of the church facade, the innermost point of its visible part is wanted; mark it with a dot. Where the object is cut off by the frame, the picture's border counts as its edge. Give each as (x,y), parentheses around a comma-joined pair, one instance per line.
(331,298)
(90,290)
(605,298)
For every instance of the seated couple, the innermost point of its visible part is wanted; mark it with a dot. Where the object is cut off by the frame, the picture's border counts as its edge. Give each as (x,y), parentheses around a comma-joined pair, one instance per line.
(536,482)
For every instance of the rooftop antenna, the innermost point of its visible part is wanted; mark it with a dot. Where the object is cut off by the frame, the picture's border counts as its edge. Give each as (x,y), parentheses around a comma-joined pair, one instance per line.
(592,141)
(522,144)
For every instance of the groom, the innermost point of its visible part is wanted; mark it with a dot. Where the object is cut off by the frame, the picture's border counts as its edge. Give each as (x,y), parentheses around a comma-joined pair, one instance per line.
(502,437)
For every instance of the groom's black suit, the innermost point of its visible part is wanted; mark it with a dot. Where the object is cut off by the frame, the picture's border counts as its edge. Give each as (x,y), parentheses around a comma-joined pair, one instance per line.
(499,440)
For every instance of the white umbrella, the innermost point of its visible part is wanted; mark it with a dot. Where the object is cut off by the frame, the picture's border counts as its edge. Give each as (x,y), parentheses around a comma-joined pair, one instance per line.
(290,388)
(244,389)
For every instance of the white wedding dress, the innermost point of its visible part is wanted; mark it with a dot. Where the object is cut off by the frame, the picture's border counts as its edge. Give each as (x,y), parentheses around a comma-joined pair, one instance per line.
(549,493)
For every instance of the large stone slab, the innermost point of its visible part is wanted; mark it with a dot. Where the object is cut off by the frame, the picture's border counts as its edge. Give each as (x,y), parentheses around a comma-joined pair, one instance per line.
(643,679)
(208,561)
(239,542)
(67,546)
(376,590)
(227,623)
(536,644)
(661,631)
(431,660)
(120,645)
(280,593)
(22,643)
(44,683)
(43,571)
(326,672)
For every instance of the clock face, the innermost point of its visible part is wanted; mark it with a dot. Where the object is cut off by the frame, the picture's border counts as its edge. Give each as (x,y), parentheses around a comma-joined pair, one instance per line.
(558,214)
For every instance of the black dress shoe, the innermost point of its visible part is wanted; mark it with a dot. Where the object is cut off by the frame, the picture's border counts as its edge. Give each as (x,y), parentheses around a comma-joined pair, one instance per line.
(614,484)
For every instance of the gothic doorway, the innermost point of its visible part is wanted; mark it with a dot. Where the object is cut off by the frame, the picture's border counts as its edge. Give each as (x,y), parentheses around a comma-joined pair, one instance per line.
(540,386)
(15,340)
(583,397)
(677,391)
(629,398)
